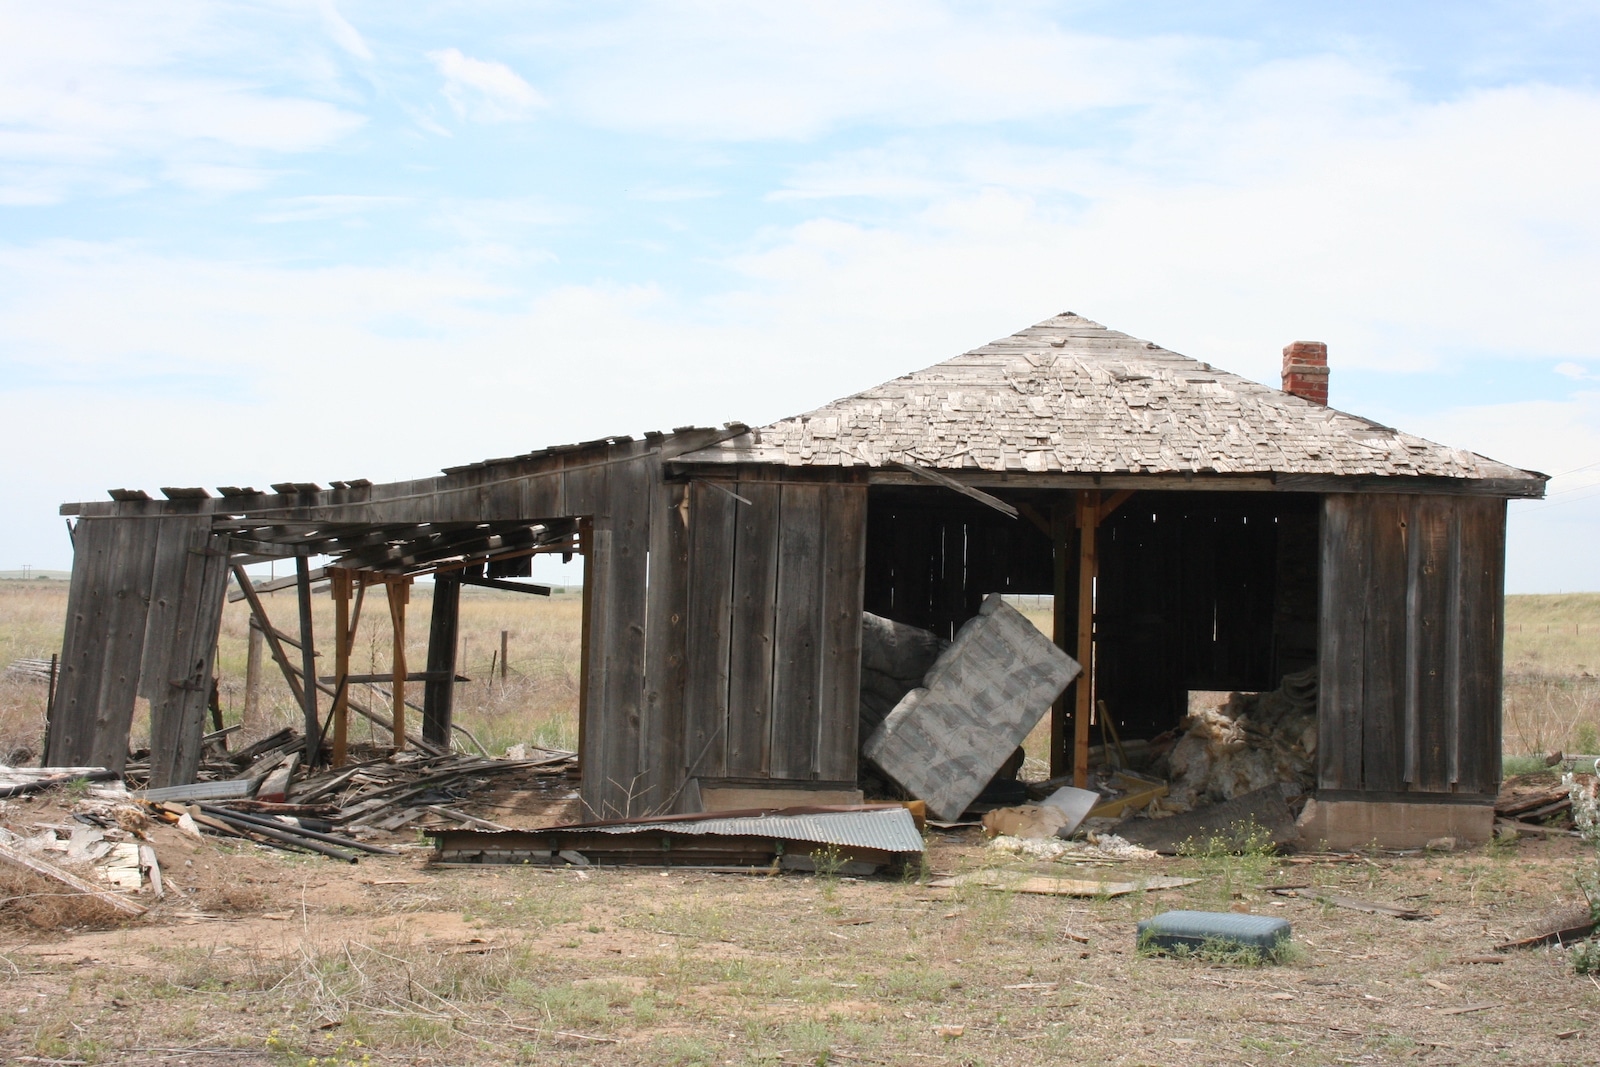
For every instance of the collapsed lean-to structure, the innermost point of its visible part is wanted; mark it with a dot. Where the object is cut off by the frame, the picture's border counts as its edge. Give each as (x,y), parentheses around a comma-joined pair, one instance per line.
(1199,531)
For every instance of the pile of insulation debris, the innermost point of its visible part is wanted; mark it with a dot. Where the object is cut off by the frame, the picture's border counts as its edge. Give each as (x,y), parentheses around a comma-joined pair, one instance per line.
(941,722)
(1249,742)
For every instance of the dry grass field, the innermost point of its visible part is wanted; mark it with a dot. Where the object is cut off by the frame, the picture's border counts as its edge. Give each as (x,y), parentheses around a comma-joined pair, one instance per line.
(304,962)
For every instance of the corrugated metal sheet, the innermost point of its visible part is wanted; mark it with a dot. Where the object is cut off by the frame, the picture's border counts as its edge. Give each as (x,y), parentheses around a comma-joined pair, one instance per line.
(887,829)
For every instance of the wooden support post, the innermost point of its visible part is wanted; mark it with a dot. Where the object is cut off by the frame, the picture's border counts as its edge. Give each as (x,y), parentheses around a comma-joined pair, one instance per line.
(585,541)
(1088,520)
(341,664)
(504,636)
(252,677)
(438,693)
(399,590)
(1063,619)
(308,662)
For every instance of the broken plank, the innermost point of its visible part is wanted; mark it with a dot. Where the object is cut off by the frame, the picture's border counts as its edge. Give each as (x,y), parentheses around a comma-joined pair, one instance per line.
(463,817)
(1043,885)
(1353,904)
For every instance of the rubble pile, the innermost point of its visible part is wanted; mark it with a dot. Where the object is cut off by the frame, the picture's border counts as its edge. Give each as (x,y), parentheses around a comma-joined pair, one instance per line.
(1251,741)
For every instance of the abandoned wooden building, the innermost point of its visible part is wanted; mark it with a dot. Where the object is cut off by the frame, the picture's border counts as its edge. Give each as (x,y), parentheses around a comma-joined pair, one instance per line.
(1197,530)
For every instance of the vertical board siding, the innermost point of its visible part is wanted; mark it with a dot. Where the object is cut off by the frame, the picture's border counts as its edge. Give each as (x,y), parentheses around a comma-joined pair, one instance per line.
(1346,533)
(1412,606)
(178,722)
(661,732)
(438,695)
(1431,583)
(843,586)
(754,604)
(622,643)
(710,608)
(1382,666)
(595,725)
(142,619)
(173,541)
(797,637)
(83,646)
(179,686)
(132,567)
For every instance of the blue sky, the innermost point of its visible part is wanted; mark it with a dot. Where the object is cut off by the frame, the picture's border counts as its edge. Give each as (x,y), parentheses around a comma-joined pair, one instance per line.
(257,242)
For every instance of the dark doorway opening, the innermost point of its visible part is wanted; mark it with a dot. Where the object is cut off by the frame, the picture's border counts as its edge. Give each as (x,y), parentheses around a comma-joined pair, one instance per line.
(1196,590)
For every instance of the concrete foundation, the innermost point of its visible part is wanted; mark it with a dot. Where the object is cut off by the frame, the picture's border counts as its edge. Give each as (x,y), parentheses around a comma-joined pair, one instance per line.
(1354,824)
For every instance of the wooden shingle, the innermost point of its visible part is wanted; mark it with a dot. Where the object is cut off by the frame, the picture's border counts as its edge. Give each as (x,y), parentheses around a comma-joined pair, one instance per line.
(1070,396)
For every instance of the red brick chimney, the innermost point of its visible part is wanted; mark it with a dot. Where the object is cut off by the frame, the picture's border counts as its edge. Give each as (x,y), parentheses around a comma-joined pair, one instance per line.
(1305,371)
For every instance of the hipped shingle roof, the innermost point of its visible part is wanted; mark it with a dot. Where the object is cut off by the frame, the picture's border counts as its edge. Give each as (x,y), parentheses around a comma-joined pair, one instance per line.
(1069,395)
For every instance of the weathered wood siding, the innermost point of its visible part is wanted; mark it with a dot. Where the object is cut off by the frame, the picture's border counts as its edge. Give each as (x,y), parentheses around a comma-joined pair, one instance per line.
(142,617)
(1412,608)
(773,643)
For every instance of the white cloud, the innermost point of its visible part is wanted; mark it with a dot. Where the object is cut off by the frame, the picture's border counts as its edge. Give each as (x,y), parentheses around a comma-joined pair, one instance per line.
(343,34)
(90,94)
(336,206)
(484,90)
(727,70)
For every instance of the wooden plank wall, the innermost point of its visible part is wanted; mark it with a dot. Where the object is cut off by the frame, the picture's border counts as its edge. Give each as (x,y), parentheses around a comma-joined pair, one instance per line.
(182,638)
(724,637)
(85,714)
(142,617)
(775,575)
(1412,619)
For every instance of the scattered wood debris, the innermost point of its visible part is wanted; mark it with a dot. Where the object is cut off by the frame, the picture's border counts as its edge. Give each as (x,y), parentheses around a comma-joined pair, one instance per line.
(1571,923)
(1043,885)
(1353,904)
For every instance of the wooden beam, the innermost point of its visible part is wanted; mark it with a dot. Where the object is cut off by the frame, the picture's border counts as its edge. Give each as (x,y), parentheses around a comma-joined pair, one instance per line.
(1088,508)
(287,639)
(308,661)
(399,592)
(1116,500)
(1032,514)
(341,665)
(252,675)
(378,719)
(317,576)
(585,543)
(1062,619)
(411,676)
(936,478)
(501,583)
(439,691)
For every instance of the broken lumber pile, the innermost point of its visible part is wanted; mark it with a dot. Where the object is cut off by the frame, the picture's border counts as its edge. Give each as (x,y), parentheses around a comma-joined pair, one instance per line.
(264,793)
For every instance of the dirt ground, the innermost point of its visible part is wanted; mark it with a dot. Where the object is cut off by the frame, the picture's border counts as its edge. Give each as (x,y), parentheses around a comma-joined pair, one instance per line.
(258,957)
